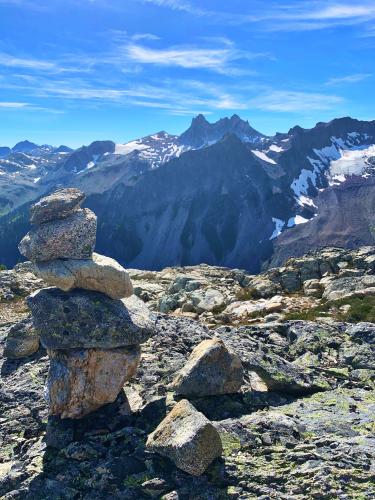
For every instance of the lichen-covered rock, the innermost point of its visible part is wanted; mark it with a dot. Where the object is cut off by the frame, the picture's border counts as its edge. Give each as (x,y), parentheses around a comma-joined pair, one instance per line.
(210,370)
(70,238)
(18,282)
(82,380)
(85,319)
(188,438)
(100,273)
(22,340)
(207,300)
(282,376)
(250,307)
(57,205)
(350,287)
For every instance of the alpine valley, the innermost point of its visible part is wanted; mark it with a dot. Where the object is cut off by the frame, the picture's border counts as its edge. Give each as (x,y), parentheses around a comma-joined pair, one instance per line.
(220,193)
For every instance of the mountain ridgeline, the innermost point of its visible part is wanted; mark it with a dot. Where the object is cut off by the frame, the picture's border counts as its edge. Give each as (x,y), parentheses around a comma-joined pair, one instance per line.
(220,193)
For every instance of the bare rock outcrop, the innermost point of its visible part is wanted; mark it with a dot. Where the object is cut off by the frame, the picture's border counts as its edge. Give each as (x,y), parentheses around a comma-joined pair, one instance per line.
(92,336)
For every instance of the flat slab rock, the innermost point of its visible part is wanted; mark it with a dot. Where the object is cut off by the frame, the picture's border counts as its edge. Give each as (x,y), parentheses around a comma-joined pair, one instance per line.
(186,437)
(100,273)
(210,370)
(71,238)
(82,380)
(84,319)
(57,205)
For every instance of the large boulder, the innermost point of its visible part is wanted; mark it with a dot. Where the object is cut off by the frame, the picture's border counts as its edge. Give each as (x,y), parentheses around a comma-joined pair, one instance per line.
(210,370)
(84,319)
(186,437)
(22,340)
(207,300)
(82,380)
(57,205)
(100,273)
(70,238)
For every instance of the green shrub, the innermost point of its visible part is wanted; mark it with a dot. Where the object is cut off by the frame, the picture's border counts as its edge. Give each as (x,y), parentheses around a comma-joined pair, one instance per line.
(361,309)
(247,294)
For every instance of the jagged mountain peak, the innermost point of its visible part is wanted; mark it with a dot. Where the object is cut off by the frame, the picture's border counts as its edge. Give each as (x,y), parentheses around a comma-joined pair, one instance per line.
(202,133)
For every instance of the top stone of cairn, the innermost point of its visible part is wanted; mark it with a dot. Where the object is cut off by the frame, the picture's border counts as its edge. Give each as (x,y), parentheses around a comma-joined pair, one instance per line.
(57,205)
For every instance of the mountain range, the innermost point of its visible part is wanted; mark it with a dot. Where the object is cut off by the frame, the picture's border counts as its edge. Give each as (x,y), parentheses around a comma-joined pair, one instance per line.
(221,193)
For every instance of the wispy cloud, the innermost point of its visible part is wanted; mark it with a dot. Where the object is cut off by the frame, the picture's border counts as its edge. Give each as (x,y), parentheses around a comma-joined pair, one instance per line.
(175,96)
(276,16)
(13,104)
(359,77)
(220,58)
(294,102)
(180,5)
(66,64)
(18,62)
(185,57)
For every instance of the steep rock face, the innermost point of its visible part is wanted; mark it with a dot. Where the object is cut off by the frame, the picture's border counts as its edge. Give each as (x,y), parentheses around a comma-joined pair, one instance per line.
(201,132)
(346,218)
(221,203)
(214,205)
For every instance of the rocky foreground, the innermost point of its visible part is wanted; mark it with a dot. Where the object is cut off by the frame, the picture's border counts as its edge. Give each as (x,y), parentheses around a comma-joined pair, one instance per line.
(301,427)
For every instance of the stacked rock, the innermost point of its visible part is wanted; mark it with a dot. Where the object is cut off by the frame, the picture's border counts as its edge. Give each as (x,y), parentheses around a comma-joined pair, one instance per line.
(88,321)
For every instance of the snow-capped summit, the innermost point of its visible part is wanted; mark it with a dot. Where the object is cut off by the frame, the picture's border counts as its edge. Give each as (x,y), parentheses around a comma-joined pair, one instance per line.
(161,147)
(156,148)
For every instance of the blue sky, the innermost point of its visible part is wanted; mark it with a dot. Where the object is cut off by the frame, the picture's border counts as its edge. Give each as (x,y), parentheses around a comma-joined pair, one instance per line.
(73,71)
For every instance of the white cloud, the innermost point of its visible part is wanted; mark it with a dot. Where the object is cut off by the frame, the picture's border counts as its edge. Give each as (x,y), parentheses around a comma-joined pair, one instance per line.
(13,104)
(219,58)
(187,57)
(290,101)
(18,62)
(278,16)
(180,5)
(359,77)
(145,36)
(342,11)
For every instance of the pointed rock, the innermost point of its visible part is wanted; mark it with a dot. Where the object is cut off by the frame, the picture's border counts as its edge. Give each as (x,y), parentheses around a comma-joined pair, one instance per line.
(210,370)
(186,437)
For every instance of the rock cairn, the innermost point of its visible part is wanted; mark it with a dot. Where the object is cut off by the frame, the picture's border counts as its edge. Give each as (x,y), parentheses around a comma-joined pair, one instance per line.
(88,321)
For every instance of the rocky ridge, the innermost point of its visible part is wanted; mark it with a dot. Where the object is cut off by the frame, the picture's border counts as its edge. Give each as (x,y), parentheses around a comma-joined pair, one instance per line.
(301,425)
(229,195)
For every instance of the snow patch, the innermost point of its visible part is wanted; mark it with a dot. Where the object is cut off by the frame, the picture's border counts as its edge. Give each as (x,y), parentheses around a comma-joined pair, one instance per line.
(125,149)
(298,219)
(352,162)
(276,148)
(279,224)
(305,200)
(301,184)
(263,156)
